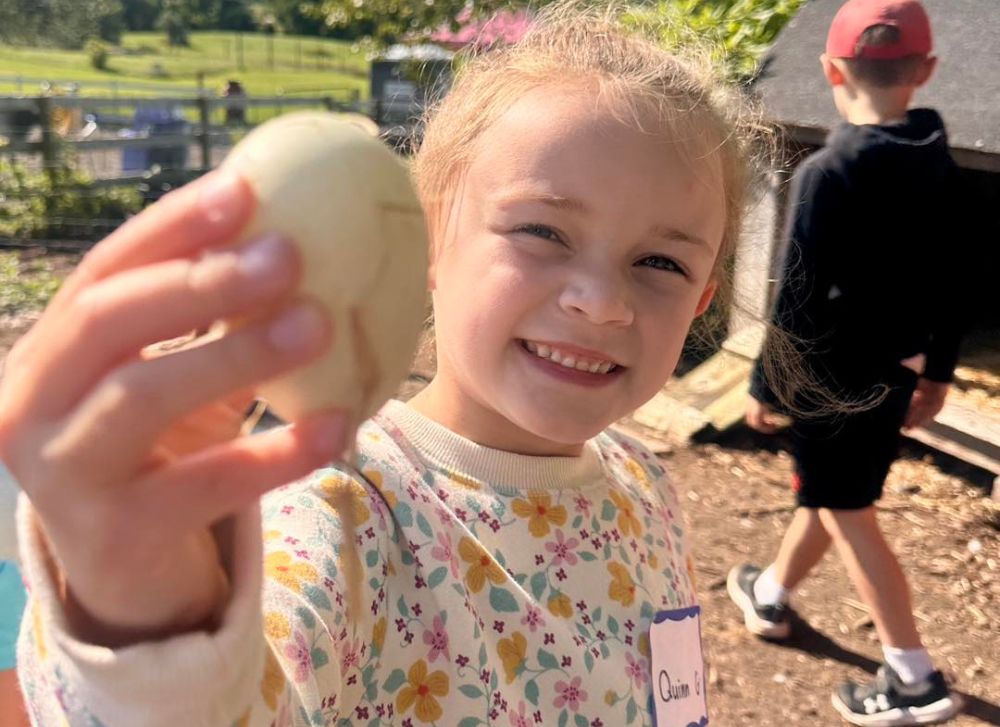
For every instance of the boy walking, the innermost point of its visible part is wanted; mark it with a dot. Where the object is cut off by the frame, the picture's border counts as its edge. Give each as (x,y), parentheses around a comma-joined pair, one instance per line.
(869,295)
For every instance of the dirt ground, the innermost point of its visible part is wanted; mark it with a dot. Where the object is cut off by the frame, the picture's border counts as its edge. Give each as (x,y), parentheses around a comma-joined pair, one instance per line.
(939,517)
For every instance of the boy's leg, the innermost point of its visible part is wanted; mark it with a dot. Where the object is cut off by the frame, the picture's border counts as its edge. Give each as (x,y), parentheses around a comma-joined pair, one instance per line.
(876,574)
(804,545)
(763,595)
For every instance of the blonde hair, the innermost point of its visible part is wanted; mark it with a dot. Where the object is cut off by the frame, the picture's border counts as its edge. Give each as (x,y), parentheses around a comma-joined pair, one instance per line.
(679,94)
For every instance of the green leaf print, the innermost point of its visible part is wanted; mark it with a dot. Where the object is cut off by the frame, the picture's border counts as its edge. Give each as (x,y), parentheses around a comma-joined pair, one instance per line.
(371,558)
(306,617)
(581,721)
(425,527)
(317,597)
(502,601)
(588,661)
(538,584)
(375,722)
(404,515)
(436,577)
(587,556)
(371,691)
(394,681)
(482,655)
(596,615)
(403,609)
(406,557)
(563,718)
(531,692)
(329,567)
(608,511)
(630,709)
(547,660)
(470,722)
(318,658)
(605,651)
(471,691)
(577,522)
(613,625)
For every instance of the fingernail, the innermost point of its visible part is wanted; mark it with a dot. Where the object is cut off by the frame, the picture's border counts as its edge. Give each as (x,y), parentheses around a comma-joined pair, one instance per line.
(221,197)
(265,259)
(297,329)
(328,432)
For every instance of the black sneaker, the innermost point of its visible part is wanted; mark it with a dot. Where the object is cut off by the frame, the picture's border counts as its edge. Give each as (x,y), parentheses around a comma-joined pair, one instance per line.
(769,622)
(887,701)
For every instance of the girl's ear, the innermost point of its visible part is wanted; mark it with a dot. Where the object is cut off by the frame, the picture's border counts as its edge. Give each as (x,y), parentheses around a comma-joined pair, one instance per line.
(706,298)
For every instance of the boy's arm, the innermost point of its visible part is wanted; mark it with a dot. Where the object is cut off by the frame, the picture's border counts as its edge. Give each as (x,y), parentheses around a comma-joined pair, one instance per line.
(814,211)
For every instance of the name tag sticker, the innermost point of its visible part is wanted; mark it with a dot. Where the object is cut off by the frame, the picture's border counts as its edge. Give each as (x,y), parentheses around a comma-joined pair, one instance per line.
(679,698)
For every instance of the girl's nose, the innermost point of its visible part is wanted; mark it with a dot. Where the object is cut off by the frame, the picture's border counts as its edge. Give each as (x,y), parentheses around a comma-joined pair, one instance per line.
(598,296)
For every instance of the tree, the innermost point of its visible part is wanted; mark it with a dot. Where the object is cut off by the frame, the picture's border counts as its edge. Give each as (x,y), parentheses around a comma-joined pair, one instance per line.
(175,21)
(234,15)
(392,20)
(141,14)
(299,17)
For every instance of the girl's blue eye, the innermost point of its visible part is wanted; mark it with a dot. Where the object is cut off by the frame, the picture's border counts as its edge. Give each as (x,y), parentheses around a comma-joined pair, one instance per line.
(546,233)
(658,262)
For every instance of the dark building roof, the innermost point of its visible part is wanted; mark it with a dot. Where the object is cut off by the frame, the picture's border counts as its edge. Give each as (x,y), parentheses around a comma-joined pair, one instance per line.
(965,87)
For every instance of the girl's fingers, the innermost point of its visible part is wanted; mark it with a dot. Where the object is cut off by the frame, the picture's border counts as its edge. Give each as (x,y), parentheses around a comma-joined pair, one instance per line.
(210,425)
(209,212)
(117,317)
(203,488)
(143,399)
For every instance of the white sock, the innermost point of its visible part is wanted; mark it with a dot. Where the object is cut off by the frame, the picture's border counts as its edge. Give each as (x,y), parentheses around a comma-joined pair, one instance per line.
(912,665)
(767,590)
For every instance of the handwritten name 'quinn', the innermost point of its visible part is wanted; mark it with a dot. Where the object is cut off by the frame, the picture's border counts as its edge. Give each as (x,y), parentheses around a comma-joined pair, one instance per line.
(669,690)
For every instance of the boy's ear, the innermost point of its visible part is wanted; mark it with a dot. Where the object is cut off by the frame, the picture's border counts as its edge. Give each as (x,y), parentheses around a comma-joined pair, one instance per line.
(832,70)
(926,70)
(706,297)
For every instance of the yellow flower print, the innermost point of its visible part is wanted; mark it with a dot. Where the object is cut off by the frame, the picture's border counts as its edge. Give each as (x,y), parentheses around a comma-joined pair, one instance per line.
(332,491)
(481,565)
(279,566)
(244,720)
(38,630)
(270,535)
(610,698)
(466,483)
(513,653)
(540,512)
(637,472)
(276,626)
(274,681)
(560,605)
(644,645)
(375,477)
(422,690)
(653,560)
(622,586)
(378,634)
(628,523)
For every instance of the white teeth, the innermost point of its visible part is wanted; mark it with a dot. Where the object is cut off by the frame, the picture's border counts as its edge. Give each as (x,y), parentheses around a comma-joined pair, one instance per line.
(568,361)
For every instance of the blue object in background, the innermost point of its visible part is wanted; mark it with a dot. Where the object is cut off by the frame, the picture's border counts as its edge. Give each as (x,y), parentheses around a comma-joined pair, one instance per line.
(12,600)
(156,121)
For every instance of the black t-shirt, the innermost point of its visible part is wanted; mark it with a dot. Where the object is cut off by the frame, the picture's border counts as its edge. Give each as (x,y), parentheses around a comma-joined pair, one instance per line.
(875,246)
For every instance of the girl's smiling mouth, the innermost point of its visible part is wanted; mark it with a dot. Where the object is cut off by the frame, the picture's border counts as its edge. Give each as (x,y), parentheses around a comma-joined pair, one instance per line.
(569,359)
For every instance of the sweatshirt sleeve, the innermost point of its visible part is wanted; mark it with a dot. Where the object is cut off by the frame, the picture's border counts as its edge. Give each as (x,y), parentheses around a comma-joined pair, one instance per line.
(814,210)
(284,652)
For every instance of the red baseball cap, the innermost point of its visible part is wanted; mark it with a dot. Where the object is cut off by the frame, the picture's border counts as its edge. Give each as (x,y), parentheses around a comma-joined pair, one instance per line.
(857,16)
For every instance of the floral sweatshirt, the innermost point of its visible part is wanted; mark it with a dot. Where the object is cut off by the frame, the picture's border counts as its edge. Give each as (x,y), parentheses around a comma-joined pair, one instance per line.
(442,583)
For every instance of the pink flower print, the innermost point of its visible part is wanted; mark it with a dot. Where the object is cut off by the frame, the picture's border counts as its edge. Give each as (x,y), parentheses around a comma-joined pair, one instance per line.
(636,669)
(352,654)
(570,694)
(533,618)
(298,652)
(582,504)
(444,552)
(563,549)
(437,638)
(519,718)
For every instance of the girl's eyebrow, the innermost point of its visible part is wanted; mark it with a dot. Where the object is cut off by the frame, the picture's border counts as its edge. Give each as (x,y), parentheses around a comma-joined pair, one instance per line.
(559,202)
(674,235)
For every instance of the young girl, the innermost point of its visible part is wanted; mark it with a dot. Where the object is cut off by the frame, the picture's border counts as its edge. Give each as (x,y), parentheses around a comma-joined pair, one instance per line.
(519,562)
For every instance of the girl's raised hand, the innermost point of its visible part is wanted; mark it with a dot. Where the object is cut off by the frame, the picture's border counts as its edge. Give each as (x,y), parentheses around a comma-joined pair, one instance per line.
(129,457)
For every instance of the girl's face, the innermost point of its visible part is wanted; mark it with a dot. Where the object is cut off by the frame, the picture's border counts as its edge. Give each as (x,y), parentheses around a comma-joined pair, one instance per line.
(577,253)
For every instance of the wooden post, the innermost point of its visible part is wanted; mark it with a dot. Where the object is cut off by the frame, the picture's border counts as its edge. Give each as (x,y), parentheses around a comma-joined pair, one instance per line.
(50,143)
(205,140)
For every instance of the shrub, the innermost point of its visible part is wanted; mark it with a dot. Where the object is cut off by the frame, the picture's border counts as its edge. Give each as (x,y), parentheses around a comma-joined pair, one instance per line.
(97,52)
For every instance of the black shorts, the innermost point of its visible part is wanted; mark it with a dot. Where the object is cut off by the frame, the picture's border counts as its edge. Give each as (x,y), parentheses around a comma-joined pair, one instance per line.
(842,463)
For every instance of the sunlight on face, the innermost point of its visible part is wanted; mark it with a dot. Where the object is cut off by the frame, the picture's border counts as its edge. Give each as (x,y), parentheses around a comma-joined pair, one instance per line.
(578,252)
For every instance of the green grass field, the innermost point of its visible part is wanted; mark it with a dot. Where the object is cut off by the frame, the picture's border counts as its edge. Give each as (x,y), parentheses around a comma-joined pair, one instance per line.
(265,65)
